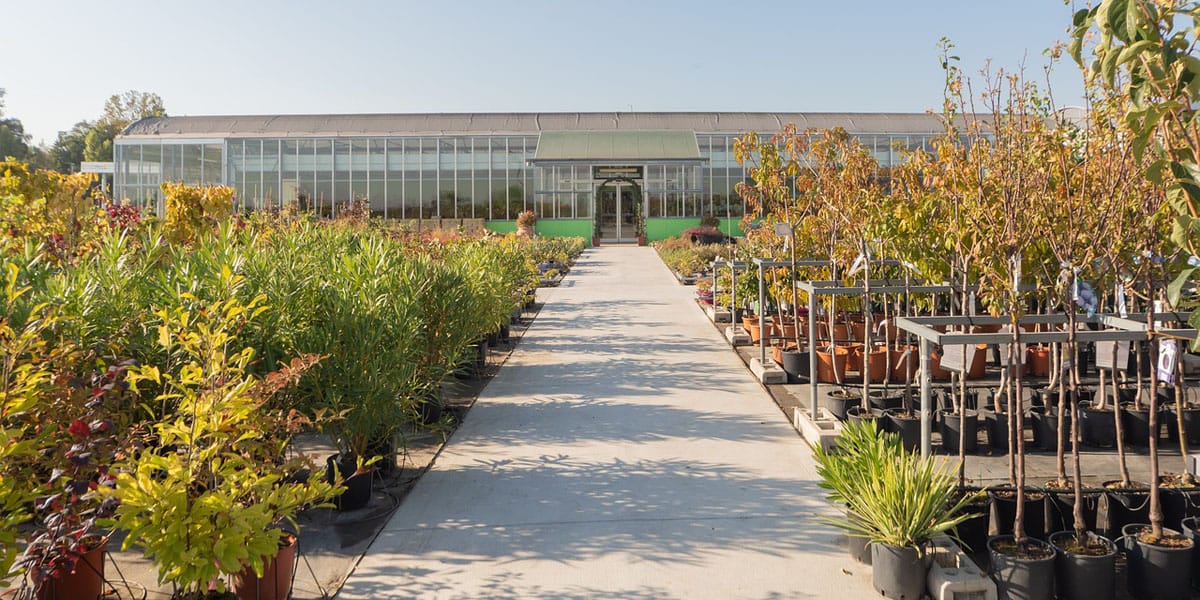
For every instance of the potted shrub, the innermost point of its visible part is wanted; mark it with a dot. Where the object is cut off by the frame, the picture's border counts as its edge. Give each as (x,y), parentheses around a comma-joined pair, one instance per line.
(65,553)
(898,501)
(206,498)
(525,222)
(26,375)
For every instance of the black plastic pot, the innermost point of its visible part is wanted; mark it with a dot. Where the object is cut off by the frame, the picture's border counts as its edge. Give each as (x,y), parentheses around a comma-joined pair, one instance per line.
(1005,505)
(1022,578)
(899,572)
(888,401)
(1191,528)
(1096,427)
(997,430)
(859,547)
(1084,576)
(385,449)
(1136,425)
(840,401)
(1045,428)
(795,364)
(505,332)
(358,485)
(1178,504)
(1061,509)
(1126,506)
(429,408)
(973,533)
(952,430)
(907,427)
(1156,571)
(858,414)
(1191,424)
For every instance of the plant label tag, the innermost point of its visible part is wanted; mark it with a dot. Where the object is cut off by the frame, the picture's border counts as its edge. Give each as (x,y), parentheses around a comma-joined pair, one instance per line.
(1167,355)
(971,304)
(1112,354)
(1021,354)
(954,357)
(1158,307)
(1121,307)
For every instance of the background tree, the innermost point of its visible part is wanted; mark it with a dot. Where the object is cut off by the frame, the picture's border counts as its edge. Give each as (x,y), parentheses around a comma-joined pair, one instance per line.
(119,111)
(14,141)
(68,149)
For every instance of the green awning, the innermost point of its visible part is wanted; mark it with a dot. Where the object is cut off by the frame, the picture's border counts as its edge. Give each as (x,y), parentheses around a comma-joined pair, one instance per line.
(617,146)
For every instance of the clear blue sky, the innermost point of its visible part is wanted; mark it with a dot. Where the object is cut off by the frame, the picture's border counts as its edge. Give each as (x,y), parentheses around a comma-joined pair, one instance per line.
(61,60)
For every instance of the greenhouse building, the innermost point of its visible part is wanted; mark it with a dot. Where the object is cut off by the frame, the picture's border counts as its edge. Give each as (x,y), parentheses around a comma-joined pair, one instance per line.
(605,175)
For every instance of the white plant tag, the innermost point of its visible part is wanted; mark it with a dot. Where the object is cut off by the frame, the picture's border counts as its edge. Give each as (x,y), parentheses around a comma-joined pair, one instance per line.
(1167,355)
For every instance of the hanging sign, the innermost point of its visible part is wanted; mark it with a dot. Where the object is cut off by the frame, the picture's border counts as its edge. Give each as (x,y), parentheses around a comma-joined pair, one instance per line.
(1112,354)
(1168,353)
(954,357)
(617,172)
(1021,355)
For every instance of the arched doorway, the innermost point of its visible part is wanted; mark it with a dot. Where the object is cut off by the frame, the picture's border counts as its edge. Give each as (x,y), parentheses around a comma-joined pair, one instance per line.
(618,211)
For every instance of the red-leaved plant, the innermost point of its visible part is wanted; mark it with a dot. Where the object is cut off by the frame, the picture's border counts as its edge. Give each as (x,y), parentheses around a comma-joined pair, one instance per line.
(96,412)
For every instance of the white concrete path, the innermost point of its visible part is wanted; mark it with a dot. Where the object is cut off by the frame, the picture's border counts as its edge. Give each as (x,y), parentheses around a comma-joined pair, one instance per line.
(622,452)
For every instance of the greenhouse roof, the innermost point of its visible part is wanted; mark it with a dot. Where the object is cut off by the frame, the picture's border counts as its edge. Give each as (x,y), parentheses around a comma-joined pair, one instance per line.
(617,146)
(284,126)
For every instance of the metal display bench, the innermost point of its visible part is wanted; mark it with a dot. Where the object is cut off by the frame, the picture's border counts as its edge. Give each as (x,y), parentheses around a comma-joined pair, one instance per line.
(767,372)
(837,288)
(1129,328)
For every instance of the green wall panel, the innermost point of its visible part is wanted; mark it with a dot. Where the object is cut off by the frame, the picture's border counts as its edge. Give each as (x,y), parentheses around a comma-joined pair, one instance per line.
(664,228)
(548,227)
(565,228)
(500,226)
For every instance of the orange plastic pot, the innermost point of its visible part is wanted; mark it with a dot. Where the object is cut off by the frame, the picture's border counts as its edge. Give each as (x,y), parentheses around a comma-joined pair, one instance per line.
(858,330)
(831,366)
(936,372)
(904,361)
(855,358)
(877,360)
(276,582)
(1038,359)
(86,582)
(978,363)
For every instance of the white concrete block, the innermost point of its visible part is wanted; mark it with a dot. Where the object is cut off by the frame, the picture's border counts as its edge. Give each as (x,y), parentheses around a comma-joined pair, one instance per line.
(717,315)
(768,372)
(954,576)
(823,431)
(736,336)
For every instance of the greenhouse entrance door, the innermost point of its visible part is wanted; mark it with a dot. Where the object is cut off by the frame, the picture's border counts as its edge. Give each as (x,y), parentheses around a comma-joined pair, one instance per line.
(616,211)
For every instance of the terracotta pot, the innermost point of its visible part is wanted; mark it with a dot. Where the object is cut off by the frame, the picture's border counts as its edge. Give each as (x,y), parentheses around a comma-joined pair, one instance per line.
(858,331)
(877,359)
(936,372)
(841,332)
(786,329)
(904,366)
(86,582)
(1038,358)
(276,582)
(756,331)
(831,367)
(749,321)
(979,363)
(854,360)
